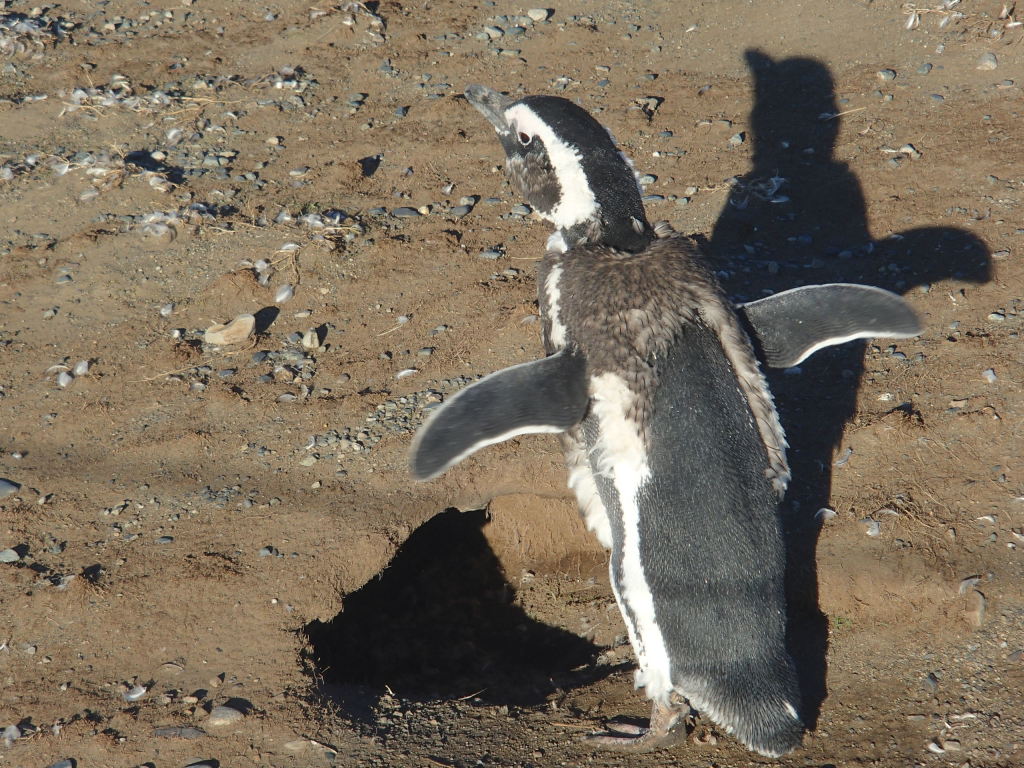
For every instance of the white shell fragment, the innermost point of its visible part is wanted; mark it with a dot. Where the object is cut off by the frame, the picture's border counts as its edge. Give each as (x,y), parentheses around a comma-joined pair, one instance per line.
(841,461)
(283,294)
(969,583)
(64,379)
(223,715)
(135,693)
(406,372)
(236,331)
(81,368)
(873,528)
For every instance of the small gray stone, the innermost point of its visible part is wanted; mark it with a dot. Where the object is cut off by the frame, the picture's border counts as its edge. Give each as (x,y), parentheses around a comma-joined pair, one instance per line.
(9,556)
(522,210)
(493,32)
(67,762)
(7,487)
(405,212)
(461,210)
(489,254)
(886,74)
(924,69)
(987,61)
(223,715)
(538,14)
(737,138)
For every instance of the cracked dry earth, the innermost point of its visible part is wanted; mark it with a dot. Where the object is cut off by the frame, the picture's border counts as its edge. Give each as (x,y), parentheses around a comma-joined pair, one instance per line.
(215,554)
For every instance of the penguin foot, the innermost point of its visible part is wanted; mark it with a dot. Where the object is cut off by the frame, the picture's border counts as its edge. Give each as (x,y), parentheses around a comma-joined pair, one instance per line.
(667,728)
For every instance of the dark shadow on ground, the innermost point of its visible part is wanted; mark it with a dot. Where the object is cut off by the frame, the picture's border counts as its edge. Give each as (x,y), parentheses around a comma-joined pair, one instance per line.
(440,623)
(798,217)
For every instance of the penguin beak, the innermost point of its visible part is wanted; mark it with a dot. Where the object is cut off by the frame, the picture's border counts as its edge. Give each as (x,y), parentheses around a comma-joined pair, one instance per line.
(491,104)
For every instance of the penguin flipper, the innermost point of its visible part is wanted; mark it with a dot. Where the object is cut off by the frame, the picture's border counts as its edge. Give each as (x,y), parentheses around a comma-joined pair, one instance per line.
(791,326)
(548,395)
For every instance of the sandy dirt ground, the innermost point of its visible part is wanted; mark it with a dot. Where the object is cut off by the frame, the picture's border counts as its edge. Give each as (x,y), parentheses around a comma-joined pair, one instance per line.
(186,527)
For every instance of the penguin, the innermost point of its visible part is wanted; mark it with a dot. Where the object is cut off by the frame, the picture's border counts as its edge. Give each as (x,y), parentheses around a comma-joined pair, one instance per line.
(672,442)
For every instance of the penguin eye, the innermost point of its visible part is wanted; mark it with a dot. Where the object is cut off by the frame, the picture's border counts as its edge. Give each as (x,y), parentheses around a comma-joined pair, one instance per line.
(525,139)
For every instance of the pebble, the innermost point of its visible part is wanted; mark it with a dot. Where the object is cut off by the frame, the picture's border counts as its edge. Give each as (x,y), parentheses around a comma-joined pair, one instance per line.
(7,487)
(283,294)
(924,69)
(81,368)
(521,210)
(64,378)
(737,138)
(236,331)
(886,74)
(165,540)
(824,514)
(461,210)
(989,375)
(167,309)
(9,556)
(988,61)
(489,254)
(539,14)
(67,762)
(405,213)
(223,715)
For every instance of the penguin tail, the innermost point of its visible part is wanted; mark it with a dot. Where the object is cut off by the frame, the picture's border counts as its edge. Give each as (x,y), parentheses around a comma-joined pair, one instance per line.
(760,707)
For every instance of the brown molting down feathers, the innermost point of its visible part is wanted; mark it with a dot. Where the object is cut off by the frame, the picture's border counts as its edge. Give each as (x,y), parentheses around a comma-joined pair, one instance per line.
(668,285)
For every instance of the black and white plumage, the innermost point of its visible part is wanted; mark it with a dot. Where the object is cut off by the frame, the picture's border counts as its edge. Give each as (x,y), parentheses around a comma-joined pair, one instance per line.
(672,441)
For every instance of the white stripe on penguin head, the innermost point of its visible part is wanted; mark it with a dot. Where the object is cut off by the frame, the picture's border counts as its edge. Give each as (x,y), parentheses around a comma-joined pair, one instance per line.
(577,203)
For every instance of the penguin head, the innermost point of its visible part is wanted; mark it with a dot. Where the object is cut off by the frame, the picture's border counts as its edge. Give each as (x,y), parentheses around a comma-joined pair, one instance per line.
(568,168)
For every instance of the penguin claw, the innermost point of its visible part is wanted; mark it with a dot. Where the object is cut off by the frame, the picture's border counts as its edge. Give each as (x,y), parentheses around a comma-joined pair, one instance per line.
(632,738)
(667,729)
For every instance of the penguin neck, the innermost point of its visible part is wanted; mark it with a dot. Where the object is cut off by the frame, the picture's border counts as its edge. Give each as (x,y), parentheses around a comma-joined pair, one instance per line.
(622,233)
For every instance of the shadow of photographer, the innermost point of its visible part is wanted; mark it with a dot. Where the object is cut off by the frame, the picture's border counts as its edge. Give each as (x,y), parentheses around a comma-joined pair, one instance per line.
(799,217)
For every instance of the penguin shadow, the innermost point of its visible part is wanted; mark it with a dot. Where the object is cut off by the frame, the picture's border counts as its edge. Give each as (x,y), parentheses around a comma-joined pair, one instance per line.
(440,623)
(798,217)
